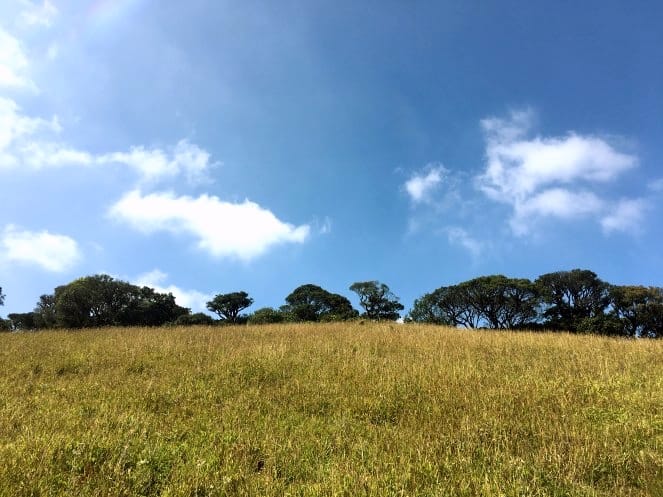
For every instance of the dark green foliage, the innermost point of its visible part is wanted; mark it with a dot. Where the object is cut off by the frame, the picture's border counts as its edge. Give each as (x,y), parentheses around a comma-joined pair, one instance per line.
(2,297)
(197,318)
(229,305)
(434,308)
(100,300)
(378,301)
(502,302)
(603,324)
(45,312)
(639,308)
(312,303)
(5,325)
(571,296)
(23,321)
(266,315)
(495,301)
(151,309)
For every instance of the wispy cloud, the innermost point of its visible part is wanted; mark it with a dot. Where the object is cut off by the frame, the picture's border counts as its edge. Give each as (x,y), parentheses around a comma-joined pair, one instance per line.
(193,299)
(52,252)
(421,186)
(223,229)
(38,14)
(547,177)
(627,216)
(462,238)
(33,142)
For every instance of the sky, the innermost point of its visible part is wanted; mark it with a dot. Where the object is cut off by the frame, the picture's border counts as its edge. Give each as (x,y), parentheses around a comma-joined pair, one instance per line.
(206,147)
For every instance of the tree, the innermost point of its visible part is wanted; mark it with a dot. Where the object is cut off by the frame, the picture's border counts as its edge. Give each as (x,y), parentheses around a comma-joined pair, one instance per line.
(313,303)
(229,305)
(100,300)
(571,296)
(378,301)
(22,321)
(430,309)
(45,312)
(2,297)
(501,302)
(639,308)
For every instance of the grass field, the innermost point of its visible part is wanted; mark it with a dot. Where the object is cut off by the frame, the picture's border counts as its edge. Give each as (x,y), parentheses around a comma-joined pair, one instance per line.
(339,409)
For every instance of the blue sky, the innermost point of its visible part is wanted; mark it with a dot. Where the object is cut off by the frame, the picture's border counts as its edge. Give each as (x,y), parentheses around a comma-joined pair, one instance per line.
(204,147)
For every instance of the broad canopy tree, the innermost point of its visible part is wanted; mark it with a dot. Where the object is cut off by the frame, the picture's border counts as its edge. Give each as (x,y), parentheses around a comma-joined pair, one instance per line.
(228,305)
(639,309)
(571,296)
(378,301)
(313,303)
(495,301)
(100,300)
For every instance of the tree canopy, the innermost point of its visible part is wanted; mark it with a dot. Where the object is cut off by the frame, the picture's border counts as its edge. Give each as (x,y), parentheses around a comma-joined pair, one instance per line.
(228,305)
(100,300)
(571,296)
(313,303)
(378,301)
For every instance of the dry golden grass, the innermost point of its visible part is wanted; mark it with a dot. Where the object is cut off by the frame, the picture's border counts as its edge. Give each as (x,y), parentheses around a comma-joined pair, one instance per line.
(338,409)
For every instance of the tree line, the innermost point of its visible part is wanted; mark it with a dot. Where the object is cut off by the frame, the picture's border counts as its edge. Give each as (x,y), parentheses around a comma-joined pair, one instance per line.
(576,301)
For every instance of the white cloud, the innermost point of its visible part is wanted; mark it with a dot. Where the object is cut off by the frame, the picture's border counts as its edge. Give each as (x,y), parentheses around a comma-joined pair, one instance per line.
(192,299)
(27,142)
(421,185)
(52,252)
(459,236)
(13,63)
(152,164)
(627,216)
(38,14)
(223,229)
(555,202)
(546,176)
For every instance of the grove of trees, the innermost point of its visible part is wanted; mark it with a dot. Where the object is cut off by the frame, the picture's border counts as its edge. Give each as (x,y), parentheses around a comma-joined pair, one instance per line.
(576,301)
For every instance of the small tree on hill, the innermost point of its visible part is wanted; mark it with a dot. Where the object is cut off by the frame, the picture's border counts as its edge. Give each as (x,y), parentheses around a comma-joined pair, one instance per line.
(378,301)
(229,305)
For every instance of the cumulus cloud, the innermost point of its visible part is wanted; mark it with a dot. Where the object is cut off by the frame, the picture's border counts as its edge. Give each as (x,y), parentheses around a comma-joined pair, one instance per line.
(547,176)
(52,252)
(38,14)
(192,299)
(627,216)
(421,185)
(223,229)
(459,236)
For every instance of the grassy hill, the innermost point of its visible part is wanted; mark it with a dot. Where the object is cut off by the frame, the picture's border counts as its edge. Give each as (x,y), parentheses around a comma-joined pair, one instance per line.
(338,409)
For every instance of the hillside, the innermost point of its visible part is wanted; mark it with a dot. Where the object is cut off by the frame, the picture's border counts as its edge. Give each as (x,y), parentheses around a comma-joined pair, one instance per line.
(338,409)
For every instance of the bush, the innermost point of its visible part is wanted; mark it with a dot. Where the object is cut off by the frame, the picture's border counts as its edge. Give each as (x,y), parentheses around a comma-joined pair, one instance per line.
(197,318)
(266,315)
